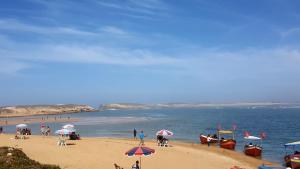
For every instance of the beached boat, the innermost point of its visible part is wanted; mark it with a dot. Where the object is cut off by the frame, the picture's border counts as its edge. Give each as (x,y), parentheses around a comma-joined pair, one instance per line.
(293,160)
(227,143)
(251,149)
(203,139)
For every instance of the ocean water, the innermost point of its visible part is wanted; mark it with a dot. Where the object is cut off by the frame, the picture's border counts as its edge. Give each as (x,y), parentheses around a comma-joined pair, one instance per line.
(281,125)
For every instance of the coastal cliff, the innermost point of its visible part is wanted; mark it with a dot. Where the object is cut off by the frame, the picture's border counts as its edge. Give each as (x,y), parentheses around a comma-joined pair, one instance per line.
(13,111)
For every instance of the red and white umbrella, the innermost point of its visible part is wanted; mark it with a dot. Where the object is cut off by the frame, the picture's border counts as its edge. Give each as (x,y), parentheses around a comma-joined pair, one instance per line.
(164,132)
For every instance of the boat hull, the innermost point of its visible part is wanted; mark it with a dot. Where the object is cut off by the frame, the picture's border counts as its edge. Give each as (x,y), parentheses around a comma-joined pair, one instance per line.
(203,139)
(254,151)
(228,144)
(292,161)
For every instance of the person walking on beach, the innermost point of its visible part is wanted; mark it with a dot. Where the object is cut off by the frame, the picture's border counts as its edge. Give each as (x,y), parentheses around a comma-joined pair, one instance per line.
(136,165)
(142,136)
(134,133)
(208,140)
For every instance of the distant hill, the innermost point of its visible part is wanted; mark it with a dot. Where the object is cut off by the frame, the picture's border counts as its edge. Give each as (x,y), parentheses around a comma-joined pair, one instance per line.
(134,106)
(28,110)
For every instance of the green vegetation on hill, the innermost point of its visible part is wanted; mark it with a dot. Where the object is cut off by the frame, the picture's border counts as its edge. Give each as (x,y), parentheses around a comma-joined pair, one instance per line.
(15,159)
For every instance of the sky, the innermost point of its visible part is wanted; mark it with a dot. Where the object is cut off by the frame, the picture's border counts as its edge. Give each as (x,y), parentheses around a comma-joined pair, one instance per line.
(149,51)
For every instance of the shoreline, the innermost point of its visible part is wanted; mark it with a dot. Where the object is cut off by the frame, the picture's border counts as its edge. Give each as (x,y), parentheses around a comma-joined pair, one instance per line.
(11,121)
(103,152)
(41,114)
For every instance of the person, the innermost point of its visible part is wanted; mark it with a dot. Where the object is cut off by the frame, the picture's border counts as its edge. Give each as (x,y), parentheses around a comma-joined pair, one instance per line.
(136,165)
(142,136)
(208,140)
(48,131)
(134,133)
(159,140)
(165,142)
(1,129)
(215,136)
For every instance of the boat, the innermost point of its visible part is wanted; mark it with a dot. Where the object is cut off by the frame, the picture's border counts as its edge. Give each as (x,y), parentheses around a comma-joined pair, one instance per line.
(292,160)
(253,150)
(269,167)
(203,139)
(226,143)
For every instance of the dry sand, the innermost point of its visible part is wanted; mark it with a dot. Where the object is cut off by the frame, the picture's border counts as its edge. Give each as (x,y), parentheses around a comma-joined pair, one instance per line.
(102,153)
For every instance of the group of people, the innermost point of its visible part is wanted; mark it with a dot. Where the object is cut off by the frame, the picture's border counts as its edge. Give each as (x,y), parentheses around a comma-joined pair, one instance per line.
(22,133)
(25,131)
(162,141)
(45,131)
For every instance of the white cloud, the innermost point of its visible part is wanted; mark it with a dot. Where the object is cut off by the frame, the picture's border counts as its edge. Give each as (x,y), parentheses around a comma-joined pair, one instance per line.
(114,30)
(290,32)
(15,25)
(142,9)
(12,67)
(88,54)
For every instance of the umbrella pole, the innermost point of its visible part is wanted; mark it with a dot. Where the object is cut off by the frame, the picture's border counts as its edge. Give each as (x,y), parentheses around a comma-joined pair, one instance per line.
(140,162)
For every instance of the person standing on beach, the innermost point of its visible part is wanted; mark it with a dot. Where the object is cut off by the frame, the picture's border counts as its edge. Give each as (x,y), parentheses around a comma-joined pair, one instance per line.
(208,140)
(134,133)
(142,136)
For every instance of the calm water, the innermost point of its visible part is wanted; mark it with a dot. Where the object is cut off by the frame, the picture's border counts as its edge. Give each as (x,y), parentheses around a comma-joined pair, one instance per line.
(281,125)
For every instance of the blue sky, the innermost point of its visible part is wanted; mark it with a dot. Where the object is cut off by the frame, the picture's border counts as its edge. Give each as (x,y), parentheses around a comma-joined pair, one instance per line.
(149,51)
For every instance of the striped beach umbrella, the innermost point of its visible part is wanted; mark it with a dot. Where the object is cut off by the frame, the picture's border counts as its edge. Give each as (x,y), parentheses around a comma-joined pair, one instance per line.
(140,151)
(164,132)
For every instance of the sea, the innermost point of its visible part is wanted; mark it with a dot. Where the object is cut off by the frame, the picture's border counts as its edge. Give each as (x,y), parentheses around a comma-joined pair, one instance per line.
(281,125)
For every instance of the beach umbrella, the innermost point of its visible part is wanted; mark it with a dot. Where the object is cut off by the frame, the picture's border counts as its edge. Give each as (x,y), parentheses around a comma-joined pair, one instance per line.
(140,151)
(64,131)
(68,126)
(21,126)
(164,132)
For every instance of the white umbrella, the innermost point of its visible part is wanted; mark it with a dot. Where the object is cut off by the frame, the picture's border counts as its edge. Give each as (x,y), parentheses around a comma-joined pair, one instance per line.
(164,132)
(68,126)
(21,126)
(64,131)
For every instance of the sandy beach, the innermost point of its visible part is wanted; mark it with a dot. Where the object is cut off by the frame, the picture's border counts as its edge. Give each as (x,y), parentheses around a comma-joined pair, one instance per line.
(95,153)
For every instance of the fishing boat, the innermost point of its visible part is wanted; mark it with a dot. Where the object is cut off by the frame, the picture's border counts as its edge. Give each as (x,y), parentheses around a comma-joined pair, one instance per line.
(251,149)
(292,160)
(226,143)
(203,139)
